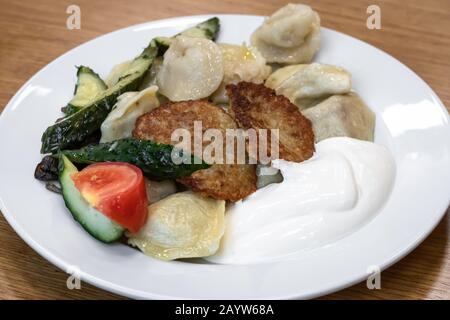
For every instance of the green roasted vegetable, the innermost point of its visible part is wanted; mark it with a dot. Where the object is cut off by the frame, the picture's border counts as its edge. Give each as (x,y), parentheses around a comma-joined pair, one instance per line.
(89,86)
(154,159)
(208,29)
(74,129)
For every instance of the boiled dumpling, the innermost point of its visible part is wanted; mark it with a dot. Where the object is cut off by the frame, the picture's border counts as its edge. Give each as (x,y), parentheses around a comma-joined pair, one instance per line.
(291,35)
(183,225)
(240,63)
(192,69)
(120,121)
(342,116)
(307,84)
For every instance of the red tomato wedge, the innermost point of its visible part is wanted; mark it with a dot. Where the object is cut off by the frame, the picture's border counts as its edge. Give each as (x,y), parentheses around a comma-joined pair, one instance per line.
(117,190)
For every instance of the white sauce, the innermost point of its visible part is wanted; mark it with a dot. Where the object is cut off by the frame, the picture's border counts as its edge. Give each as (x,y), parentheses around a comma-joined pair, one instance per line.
(320,201)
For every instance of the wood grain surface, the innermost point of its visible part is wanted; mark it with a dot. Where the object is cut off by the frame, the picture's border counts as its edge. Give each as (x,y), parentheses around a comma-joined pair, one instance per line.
(33,33)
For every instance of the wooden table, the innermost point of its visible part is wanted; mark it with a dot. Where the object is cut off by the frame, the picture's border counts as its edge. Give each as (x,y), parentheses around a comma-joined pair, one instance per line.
(33,33)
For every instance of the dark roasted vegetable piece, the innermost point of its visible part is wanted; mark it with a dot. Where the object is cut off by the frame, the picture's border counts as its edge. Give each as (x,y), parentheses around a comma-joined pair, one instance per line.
(89,85)
(154,159)
(47,169)
(74,129)
(208,29)
(50,186)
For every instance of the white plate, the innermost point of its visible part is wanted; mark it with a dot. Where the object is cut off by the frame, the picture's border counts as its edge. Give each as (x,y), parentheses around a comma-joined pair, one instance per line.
(411,122)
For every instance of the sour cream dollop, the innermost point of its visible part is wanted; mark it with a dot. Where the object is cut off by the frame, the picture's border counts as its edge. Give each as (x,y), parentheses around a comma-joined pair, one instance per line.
(320,201)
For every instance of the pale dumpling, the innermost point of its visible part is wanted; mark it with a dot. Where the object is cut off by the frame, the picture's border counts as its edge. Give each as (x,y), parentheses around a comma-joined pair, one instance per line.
(240,63)
(307,84)
(289,36)
(120,121)
(342,116)
(183,225)
(192,69)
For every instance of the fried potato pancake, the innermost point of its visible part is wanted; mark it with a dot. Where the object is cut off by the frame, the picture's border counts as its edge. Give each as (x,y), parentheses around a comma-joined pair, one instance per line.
(258,107)
(221,181)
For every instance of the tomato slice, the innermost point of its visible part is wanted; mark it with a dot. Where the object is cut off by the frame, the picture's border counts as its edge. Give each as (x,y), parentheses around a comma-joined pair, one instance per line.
(117,190)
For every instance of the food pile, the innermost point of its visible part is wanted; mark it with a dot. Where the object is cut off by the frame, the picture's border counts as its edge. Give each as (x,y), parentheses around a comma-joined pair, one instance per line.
(112,151)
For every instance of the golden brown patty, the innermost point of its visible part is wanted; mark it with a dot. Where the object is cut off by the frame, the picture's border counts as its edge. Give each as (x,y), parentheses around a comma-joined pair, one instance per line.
(221,181)
(258,107)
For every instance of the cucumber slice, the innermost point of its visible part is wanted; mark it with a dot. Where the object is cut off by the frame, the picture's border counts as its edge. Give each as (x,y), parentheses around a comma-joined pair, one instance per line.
(89,85)
(208,29)
(93,221)
(154,159)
